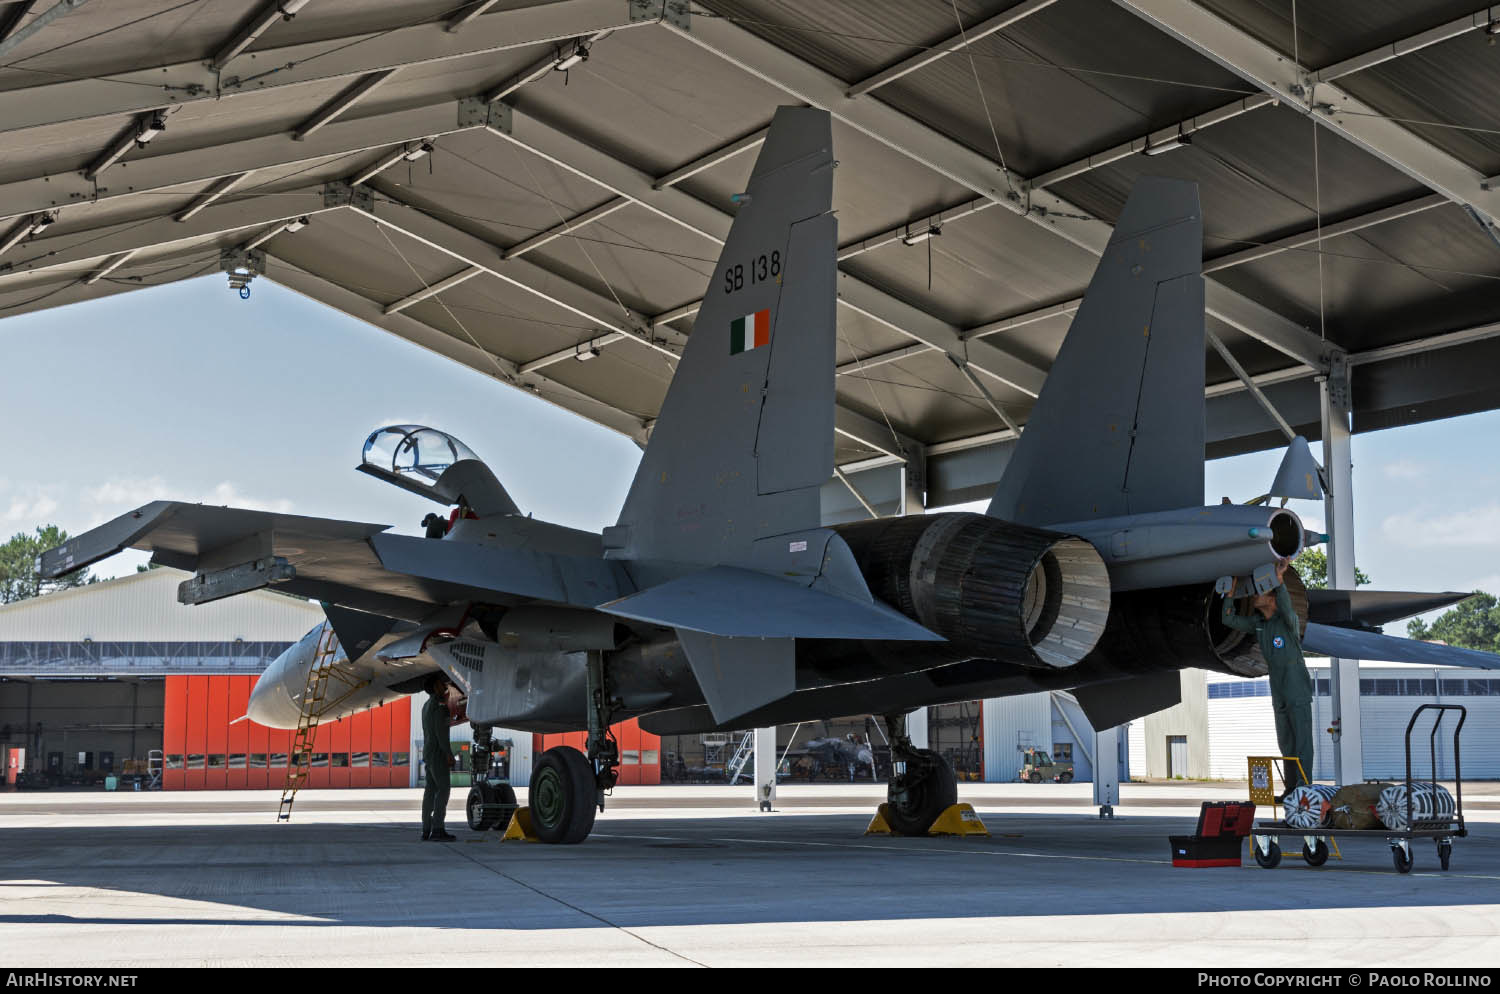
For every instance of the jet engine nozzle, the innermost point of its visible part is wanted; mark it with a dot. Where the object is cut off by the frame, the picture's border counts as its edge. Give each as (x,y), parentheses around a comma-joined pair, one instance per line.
(996,589)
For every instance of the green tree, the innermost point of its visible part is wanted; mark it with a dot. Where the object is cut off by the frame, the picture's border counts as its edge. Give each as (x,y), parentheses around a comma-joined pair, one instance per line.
(19,578)
(1473,624)
(1312,566)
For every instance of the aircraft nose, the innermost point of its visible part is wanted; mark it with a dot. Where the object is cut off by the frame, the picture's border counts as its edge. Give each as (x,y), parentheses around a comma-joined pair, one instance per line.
(271,702)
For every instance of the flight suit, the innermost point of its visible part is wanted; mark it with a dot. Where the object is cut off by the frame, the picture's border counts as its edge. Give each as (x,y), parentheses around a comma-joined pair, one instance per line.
(1291,684)
(437,754)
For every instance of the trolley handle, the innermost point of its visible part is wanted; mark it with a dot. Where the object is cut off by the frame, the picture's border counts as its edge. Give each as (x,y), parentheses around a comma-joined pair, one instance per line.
(1458,782)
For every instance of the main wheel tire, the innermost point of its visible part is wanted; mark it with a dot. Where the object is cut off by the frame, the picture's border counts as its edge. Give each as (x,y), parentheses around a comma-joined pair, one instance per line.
(919,806)
(562,795)
(1065,778)
(1402,859)
(1445,853)
(1034,777)
(1317,855)
(479,819)
(1271,858)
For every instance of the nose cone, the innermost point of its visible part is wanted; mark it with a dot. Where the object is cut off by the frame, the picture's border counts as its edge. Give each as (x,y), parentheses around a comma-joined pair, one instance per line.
(271,703)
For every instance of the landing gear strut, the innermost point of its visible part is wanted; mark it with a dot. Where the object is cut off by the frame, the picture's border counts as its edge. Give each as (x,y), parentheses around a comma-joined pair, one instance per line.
(604,751)
(922,784)
(568,788)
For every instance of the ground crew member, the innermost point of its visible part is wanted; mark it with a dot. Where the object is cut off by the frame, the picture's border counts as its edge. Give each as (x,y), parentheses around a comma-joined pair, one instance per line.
(1273,622)
(437,755)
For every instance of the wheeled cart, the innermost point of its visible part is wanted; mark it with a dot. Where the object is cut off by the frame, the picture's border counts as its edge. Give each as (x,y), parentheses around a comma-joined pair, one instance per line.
(1265,838)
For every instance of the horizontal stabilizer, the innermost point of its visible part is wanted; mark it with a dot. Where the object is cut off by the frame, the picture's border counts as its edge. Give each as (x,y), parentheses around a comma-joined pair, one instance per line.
(1373,608)
(738,675)
(739,603)
(1350,643)
(1110,704)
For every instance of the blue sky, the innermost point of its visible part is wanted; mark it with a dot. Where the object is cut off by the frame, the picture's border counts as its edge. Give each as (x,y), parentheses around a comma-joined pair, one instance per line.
(187,392)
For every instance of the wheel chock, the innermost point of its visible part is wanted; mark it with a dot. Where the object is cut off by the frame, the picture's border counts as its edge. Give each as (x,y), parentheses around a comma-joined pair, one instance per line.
(520,827)
(958,819)
(878,825)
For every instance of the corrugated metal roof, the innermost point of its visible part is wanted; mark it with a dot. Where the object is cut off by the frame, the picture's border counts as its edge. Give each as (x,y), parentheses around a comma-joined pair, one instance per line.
(1072,80)
(142,607)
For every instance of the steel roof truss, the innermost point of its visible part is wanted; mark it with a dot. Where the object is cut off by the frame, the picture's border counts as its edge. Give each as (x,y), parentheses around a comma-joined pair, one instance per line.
(587,162)
(949,158)
(159,172)
(420,333)
(957,42)
(1326,103)
(330,58)
(83,248)
(341,103)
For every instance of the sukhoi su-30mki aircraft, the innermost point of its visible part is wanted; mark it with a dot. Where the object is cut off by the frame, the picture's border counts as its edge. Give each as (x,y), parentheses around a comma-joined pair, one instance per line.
(719,600)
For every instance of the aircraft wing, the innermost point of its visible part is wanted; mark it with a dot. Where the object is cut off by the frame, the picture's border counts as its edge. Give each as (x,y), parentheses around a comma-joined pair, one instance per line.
(1350,643)
(348,563)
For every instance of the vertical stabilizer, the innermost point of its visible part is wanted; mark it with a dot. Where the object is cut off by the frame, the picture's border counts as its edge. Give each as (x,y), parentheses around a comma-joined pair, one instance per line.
(1118,428)
(745,436)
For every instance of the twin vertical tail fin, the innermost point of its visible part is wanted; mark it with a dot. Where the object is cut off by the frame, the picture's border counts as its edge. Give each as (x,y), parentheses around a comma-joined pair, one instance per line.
(1118,428)
(745,436)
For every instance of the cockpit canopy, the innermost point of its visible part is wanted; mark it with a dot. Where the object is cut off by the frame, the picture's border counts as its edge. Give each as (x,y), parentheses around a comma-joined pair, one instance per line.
(436,465)
(413,451)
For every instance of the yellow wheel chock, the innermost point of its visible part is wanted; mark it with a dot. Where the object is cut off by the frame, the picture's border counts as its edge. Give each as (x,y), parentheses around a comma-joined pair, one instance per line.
(956,819)
(520,827)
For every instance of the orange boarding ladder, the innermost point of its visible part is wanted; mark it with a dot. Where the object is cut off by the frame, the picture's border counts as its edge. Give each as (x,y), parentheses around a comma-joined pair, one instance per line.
(307,723)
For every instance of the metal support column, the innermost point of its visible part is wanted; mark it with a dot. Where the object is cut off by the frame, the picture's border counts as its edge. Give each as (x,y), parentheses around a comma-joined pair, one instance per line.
(1338,505)
(1107,770)
(916,728)
(914,484)
(765,768)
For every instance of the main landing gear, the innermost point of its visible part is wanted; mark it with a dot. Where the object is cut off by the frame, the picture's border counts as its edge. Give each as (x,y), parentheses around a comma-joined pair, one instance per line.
(922,784)
(568,788)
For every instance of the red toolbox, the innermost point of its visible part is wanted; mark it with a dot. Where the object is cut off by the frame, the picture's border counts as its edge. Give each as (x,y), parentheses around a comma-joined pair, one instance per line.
(1222,827)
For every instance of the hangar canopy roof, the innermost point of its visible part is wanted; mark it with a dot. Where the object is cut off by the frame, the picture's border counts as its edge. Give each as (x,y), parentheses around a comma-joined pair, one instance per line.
(540,189)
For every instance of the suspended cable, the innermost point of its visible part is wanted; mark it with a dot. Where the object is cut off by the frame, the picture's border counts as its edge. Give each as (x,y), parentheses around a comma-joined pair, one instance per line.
(860,366)
(999,152)
(907,44)
(1317,176)
(505,374)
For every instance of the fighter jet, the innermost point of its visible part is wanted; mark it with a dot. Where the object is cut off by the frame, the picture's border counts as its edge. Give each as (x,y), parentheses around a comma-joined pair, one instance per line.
(846,753)
(719,600)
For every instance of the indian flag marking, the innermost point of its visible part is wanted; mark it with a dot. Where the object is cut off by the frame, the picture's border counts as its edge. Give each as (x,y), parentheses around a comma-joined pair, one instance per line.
(750,332)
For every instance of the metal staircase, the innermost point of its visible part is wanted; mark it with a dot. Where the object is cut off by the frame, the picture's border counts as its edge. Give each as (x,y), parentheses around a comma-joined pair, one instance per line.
(307,725)
(742,756)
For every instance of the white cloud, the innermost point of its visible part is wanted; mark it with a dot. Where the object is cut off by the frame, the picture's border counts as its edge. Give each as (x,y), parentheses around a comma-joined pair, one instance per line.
(1489,584)
(30,511)
(1405,469)
(1473,528)
(117,496)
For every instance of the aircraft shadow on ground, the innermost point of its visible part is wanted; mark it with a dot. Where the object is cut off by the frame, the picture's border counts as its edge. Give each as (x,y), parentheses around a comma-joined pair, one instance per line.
(640,872)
